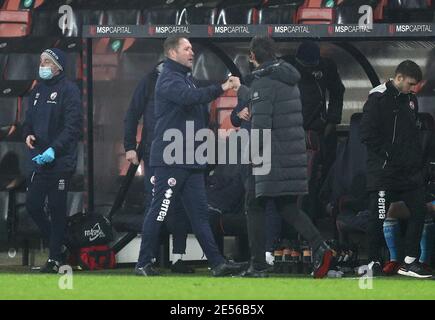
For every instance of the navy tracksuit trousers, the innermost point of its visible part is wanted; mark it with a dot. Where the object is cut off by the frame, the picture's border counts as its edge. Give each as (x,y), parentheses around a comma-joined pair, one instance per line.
(189,186)
(51,219)
(177,221)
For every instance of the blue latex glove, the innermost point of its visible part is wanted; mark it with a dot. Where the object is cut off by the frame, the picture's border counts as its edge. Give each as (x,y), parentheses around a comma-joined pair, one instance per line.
(38,159)
(48,155)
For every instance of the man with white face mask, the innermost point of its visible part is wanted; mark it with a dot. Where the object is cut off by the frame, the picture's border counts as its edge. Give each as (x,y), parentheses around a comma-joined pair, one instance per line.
(51,130)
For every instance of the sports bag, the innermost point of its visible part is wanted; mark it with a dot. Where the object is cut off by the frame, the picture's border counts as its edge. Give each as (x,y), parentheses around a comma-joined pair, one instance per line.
(86,230)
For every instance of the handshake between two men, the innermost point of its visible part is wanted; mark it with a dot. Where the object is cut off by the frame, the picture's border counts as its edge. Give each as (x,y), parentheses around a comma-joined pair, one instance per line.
(232,82)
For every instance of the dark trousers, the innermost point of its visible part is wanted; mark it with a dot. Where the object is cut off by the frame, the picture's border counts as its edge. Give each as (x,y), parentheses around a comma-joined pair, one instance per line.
(273,218)
(49,189)
(379,204)
(287,207)
(321,155)
(189,186)
(177,221)
(273,225)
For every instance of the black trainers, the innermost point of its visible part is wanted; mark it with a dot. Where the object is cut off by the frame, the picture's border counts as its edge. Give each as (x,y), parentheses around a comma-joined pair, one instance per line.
(415,270)
(51,266)
(181,267)
(227,268)
(322,258)
(147,271)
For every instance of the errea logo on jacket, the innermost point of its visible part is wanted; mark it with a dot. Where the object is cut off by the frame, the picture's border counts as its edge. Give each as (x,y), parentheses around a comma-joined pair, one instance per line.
(53,96)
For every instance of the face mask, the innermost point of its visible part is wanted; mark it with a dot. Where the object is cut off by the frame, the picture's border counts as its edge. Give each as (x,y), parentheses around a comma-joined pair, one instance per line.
(45,73)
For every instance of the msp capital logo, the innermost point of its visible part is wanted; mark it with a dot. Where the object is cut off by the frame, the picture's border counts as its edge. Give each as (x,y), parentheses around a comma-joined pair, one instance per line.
(152,30)
(392,29)
(270,30)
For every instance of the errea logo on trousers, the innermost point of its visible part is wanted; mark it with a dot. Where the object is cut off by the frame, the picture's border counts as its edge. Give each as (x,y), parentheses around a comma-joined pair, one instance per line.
(381,205)
(164,207)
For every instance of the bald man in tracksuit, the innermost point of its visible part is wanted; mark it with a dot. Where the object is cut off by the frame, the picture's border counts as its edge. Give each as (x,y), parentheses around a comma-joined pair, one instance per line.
(178,100)
(52,129)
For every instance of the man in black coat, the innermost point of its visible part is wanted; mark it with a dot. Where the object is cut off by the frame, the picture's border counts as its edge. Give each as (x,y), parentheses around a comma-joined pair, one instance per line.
(319,80)
(276,110)
(390,130)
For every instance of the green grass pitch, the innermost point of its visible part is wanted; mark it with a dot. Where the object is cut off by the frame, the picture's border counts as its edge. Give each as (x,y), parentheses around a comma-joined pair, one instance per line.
(122,284)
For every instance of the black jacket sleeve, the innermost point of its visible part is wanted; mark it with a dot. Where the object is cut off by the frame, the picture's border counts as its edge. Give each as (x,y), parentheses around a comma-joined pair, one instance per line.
(336,92)
(370,128)
(235,120)
(134,112)
(73,120)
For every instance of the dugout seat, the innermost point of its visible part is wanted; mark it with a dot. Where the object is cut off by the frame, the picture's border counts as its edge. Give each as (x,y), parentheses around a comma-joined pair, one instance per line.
(315,12)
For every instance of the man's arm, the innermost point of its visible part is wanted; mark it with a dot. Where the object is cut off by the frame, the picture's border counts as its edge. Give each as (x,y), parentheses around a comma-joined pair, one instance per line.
(262,116)
(336,92)
(370,128)
(178,91)
(28,134)
(134,112)
(73,120)
(239,113)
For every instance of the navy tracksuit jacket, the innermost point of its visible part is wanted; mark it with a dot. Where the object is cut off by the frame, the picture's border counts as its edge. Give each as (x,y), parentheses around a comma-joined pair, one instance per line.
(142,105)
(177,100)
(54,116)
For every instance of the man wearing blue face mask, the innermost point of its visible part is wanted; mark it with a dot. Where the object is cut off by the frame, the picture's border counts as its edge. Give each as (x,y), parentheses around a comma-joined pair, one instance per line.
(51,130)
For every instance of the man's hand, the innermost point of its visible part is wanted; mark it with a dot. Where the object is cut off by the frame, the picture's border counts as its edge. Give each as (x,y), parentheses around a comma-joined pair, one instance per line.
(244,114)
(30,141)
(131,156)
(231,83)
(235,81)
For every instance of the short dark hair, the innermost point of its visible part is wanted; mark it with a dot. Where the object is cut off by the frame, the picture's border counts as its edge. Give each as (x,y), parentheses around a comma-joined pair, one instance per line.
(171,42)
(263,48)
(409,69)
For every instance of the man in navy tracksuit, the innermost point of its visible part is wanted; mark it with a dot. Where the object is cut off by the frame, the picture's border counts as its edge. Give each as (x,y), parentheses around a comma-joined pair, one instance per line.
(52,129)
(178,100)
(142,106)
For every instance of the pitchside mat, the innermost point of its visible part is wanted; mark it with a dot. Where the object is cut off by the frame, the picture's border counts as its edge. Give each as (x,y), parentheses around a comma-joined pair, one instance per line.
(21,283)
